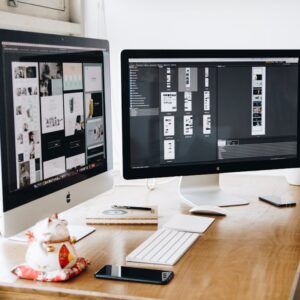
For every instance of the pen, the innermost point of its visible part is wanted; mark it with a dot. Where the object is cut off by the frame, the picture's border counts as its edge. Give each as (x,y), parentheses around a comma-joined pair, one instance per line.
(131,207)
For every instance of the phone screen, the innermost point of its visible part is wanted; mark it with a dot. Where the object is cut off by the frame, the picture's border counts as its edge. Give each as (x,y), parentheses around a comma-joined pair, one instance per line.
(134,274)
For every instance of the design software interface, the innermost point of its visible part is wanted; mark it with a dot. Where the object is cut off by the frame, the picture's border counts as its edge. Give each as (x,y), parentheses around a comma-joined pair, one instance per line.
(54,112)
(184,111)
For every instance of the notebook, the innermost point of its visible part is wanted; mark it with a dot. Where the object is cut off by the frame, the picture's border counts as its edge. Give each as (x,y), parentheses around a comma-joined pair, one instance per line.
(111,215)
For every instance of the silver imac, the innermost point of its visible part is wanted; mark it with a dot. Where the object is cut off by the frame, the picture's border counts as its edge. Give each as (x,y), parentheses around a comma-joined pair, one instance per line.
(55,125)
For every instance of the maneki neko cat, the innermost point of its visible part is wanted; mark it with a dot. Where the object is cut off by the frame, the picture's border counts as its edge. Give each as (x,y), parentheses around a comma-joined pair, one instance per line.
(50,246)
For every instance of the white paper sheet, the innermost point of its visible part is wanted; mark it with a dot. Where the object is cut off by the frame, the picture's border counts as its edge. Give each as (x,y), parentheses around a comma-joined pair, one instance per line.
(189,223)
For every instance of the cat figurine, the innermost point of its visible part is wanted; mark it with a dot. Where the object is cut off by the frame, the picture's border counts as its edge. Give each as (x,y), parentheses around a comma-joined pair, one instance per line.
(50,246)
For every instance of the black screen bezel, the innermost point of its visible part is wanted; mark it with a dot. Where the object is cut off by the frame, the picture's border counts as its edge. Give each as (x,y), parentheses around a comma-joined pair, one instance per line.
(20,197)
(196,169)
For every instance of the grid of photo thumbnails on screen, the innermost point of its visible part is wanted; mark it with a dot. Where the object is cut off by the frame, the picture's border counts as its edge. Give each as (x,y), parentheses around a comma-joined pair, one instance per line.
(58,119)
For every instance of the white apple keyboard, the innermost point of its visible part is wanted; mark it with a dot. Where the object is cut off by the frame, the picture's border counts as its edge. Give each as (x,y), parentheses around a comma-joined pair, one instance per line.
(164,247)
(208,210)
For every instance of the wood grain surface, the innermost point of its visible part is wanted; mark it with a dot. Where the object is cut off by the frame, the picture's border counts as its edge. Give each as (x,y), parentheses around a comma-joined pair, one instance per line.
(252,253)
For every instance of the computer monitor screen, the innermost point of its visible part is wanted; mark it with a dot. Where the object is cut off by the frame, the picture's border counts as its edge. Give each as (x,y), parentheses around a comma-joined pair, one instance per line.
(53,131)
(198,112)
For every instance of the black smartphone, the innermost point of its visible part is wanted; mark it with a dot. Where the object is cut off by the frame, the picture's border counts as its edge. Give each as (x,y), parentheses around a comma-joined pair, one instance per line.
(134,274)
(277,201)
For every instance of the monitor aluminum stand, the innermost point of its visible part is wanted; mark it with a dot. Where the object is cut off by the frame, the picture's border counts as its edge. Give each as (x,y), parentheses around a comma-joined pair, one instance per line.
(205,190)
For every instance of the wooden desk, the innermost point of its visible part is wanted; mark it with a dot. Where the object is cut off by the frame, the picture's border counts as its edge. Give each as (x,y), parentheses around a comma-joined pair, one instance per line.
(252,253)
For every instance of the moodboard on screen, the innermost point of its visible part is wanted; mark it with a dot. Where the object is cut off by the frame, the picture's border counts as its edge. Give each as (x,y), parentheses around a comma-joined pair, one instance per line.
(54,122)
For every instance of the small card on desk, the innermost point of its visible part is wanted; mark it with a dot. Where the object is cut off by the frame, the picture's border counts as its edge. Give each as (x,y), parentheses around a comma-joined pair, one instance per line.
(189,223)
(111,215)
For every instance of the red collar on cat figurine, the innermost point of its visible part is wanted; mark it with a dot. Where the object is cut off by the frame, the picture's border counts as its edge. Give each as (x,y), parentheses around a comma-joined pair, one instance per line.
(68,239)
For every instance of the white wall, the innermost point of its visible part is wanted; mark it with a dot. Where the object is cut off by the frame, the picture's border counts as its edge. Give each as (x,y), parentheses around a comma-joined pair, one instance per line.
(195,24)
(94,19)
